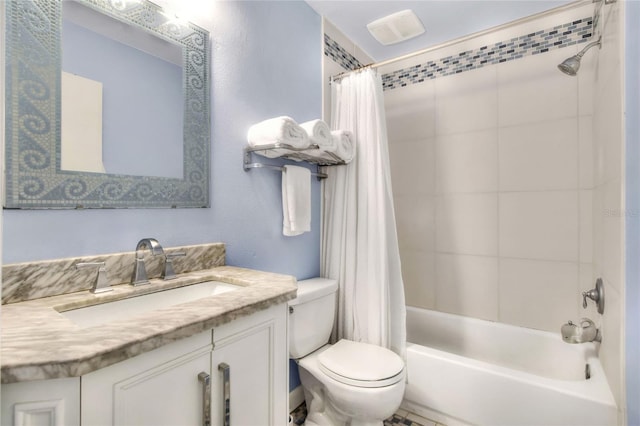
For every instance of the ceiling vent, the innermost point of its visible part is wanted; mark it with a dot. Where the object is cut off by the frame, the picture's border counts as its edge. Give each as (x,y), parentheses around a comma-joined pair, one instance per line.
(396,27)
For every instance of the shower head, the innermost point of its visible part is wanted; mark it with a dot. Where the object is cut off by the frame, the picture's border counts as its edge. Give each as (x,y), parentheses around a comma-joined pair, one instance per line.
(570,66)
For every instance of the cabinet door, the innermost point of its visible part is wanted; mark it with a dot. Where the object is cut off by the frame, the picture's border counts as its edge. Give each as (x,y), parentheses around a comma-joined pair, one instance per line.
(158,388)
(43,402)
(255,353)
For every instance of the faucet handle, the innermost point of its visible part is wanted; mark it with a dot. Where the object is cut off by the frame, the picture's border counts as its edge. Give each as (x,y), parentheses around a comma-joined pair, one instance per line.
(596,294)
(169,273)
(101,285)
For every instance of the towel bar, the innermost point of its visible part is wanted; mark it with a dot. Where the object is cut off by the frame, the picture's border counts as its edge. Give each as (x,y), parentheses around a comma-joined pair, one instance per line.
(295,154)
(248,166)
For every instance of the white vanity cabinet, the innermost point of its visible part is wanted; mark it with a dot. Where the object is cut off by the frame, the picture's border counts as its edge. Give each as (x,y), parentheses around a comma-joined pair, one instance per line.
(159,387)
(162,387)
(41,402)
(255,355)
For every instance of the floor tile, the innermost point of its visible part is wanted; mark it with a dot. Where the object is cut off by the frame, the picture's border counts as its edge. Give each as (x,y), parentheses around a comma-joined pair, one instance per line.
(400,418)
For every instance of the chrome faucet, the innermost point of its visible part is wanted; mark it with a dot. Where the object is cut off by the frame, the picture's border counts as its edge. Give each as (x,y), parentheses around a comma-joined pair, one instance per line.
(584,332)
(169,273)
(101,284)
(139,270)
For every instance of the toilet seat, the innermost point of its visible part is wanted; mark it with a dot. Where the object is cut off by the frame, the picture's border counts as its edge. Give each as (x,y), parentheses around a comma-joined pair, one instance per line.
(361,364)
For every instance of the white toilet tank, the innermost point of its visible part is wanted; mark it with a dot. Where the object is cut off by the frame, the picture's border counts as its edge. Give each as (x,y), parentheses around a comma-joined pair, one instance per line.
(311,316)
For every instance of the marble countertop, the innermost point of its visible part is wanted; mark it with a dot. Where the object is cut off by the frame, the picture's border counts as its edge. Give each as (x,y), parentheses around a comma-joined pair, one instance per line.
(39,343)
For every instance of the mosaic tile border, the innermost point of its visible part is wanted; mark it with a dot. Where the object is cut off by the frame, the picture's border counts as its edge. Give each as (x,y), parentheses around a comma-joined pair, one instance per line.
(560,36)
(542,41)
(335,51)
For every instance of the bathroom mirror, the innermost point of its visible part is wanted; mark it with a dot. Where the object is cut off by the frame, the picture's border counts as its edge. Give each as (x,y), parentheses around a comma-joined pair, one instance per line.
(35,177)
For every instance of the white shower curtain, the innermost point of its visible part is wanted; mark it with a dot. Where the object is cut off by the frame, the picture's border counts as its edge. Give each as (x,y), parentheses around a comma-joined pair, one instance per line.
(359,240)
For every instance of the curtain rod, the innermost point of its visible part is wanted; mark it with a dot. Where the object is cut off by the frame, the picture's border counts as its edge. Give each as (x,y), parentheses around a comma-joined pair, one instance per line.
(562,8)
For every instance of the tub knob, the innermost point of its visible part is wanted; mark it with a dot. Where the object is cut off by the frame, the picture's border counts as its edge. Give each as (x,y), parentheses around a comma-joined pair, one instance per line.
(596,294)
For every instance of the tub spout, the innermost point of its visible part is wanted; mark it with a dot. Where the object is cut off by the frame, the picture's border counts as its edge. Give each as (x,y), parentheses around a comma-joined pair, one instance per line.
(585,332)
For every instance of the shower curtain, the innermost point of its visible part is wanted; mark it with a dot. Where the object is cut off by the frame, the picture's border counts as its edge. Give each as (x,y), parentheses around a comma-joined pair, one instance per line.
(359,240)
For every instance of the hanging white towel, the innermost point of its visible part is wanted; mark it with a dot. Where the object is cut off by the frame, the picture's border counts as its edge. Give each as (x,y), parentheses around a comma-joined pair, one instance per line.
(320,134)
(296,200)
(277,130)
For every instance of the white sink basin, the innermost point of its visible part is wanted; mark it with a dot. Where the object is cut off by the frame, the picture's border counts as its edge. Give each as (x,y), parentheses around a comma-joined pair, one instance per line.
(121,309)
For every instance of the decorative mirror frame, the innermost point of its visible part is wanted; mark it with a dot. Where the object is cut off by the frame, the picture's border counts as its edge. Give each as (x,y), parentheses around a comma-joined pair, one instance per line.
(33,178)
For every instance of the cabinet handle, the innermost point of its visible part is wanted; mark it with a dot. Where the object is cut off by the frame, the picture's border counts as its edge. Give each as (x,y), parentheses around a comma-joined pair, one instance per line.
(226,393)
(206,398)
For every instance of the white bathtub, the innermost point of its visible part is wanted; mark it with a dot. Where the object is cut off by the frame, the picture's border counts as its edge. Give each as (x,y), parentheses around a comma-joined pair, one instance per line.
(467,371)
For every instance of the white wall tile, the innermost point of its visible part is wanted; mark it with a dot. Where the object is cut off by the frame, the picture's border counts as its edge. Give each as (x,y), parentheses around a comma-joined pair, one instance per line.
(613,234)
(586,283)
(413,167)
(467,162)
(532,89)
(467,285)
(418,275)
(586,78)
(514,149)
(586,225)
(466,101)
(415,221)
(612,349)
(599,158)
(586,162)
(539,225)
(598,228)
(608,100)
(467,224)
(609,214)
(607,131)
(410,112)
(539,156)
(610,55)
(538,294)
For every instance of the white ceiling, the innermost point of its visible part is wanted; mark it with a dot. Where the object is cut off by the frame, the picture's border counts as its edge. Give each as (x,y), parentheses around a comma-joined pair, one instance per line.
(444,20)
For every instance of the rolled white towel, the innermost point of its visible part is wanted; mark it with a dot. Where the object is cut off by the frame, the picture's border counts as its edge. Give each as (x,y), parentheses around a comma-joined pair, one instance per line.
(277,130)
(346,145)
(320,134)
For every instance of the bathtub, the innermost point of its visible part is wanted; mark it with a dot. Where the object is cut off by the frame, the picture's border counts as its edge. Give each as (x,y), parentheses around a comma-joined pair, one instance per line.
(467,371)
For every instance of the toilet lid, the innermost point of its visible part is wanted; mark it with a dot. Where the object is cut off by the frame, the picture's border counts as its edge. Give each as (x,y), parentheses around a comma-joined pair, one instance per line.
(361,364)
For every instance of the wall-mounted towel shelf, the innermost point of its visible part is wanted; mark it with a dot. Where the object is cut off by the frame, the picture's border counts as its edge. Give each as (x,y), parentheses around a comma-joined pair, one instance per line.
(293,153)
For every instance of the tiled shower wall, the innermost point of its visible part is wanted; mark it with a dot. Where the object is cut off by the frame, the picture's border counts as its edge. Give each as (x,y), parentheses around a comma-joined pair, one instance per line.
(492,172)
(609,213)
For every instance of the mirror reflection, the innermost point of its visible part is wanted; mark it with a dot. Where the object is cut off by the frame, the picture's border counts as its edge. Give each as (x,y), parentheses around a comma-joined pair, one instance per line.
(121,90)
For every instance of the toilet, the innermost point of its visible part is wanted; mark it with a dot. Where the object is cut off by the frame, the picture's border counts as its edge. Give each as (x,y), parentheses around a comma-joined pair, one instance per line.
(347,383)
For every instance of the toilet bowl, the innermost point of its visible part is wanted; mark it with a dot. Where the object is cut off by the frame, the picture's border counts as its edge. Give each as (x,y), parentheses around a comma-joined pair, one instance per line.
(338,399)
(348,383)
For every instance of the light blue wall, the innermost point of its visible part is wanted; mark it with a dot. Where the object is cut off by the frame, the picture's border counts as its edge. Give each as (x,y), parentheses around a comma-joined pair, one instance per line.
(266,62)
(632,262)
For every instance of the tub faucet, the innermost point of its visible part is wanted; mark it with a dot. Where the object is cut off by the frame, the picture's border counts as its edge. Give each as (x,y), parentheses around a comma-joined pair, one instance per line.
(585,332)
(139,270)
